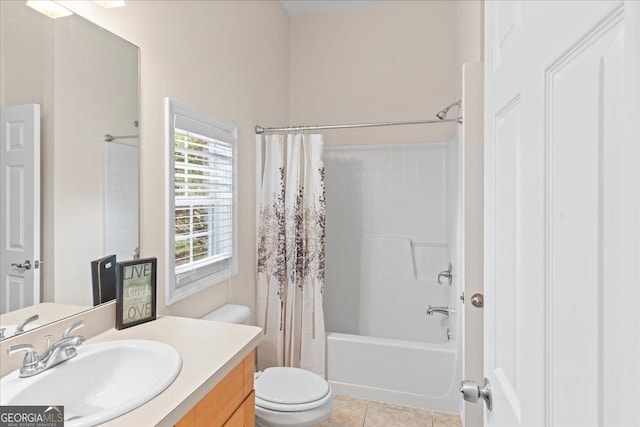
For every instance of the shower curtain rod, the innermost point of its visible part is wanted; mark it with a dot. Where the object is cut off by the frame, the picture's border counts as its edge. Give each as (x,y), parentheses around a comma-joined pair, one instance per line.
(260,129)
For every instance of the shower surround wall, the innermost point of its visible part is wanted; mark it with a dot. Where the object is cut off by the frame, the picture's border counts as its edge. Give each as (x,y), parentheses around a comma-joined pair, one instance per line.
(391,228)
(386,240)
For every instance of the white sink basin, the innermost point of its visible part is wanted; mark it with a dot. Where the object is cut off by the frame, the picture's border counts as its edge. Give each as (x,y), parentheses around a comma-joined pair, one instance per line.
(104,381)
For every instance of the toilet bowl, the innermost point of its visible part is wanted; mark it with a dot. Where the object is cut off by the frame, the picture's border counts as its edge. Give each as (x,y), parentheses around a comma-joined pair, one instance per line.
(291,397)
(284,396)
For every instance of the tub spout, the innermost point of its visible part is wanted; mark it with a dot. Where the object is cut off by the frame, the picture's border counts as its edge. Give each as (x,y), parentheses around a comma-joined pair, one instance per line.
(441,310)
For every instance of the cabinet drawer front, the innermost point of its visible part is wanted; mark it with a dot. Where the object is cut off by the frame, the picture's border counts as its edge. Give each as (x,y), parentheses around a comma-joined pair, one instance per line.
(230,403)
(250,410)
(221,402)
(245,415)
(237,419)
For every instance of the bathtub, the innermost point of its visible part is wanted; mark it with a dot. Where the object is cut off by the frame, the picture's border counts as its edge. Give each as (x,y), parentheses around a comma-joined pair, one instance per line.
(421,375)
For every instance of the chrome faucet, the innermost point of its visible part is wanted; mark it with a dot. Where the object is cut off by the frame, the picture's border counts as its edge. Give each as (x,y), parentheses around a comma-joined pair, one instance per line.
(21,325)
(58,352)
(437,309)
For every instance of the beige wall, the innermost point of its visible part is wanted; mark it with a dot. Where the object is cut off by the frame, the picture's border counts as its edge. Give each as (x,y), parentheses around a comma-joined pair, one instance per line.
(394,61)
(227,58)
(469,29)
(25,41)
(469,26)
(473,230)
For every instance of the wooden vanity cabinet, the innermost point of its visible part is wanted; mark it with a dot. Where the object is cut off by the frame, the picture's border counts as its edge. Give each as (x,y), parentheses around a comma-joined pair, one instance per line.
(231,403)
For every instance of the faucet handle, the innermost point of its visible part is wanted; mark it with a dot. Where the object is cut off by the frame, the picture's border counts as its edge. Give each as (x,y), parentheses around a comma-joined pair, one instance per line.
(21,325)
(79,324)
(2,333)
(447,274)
(30,359)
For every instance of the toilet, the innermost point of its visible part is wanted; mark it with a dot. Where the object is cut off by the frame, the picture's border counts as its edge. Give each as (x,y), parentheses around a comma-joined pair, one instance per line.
(284,396)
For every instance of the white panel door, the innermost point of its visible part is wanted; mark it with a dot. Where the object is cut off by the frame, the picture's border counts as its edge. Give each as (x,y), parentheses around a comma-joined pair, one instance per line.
(19,206)
(562,212)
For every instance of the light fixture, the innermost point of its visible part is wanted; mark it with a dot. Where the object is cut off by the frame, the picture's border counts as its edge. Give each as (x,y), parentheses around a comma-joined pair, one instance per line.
(112,3)
(49,8)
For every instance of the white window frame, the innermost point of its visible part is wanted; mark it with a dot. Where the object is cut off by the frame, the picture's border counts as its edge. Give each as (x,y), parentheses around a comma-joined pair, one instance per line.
(207,125)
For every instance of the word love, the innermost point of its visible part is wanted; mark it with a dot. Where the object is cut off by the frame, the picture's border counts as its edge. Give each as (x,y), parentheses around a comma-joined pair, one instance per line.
(139,311)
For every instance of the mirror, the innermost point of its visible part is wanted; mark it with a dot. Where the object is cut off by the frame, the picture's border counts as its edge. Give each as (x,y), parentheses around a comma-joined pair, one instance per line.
(85,80)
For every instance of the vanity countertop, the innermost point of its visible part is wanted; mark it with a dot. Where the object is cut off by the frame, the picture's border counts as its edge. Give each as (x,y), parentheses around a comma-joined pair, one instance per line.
(209,351)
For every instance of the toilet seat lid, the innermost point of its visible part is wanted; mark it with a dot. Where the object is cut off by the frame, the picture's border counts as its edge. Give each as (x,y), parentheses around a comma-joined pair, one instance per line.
(290,386)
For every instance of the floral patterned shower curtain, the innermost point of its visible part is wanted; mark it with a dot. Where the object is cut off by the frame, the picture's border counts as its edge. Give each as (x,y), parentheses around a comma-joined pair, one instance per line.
(290,265)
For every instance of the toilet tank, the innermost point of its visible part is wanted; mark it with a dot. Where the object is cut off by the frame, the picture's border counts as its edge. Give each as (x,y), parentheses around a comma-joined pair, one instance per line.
(230,313)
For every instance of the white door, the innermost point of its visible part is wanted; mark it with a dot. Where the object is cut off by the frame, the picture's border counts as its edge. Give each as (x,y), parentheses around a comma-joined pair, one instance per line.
(19,207)
(562,212)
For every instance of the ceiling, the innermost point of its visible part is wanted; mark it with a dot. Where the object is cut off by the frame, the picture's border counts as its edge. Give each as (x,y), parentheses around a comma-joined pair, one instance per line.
(303,7)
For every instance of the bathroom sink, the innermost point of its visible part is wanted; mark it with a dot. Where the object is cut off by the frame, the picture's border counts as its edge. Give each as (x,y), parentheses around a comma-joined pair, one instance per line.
(105,380)
(10,330)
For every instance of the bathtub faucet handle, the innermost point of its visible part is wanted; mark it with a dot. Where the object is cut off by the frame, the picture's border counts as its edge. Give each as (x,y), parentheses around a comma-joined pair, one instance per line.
(446,274)
(438,309)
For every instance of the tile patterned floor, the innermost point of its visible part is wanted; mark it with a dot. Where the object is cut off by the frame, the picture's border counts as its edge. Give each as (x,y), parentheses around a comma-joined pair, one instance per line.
(352,412)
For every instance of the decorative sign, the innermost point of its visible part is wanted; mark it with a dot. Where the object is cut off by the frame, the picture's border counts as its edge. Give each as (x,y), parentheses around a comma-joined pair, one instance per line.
(136,292)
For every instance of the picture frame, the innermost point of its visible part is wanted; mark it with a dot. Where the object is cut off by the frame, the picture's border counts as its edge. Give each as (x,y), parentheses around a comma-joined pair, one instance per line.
(136,292)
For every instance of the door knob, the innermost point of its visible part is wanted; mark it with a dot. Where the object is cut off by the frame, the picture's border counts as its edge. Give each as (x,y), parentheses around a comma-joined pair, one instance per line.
(477,300)
(26,265)
(471,392)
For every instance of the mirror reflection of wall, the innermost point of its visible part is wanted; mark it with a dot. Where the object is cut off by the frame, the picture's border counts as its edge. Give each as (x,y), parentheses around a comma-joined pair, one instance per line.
(85,80)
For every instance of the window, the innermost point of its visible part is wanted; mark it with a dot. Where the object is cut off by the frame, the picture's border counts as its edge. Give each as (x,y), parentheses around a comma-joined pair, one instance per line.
(202,243)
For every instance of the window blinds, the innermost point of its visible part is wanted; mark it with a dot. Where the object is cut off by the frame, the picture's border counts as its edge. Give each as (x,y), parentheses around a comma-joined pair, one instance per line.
(203,176)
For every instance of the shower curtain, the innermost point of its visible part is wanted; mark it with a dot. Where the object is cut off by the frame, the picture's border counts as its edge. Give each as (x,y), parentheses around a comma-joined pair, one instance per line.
(290,264)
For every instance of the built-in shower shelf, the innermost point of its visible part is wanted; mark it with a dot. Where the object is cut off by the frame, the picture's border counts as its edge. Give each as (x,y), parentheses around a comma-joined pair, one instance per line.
(425,259)
(428,259)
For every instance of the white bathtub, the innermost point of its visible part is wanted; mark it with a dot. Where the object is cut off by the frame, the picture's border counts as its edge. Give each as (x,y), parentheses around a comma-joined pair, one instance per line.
(401,372)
